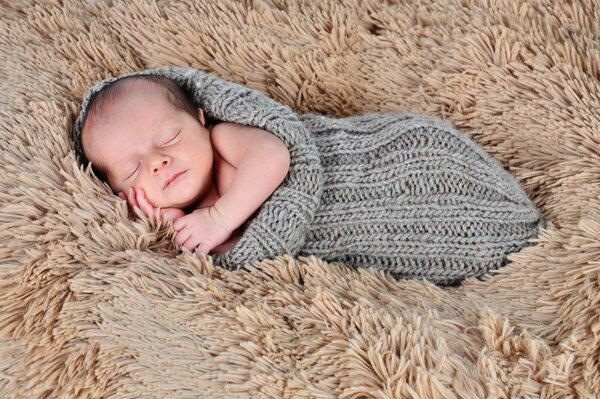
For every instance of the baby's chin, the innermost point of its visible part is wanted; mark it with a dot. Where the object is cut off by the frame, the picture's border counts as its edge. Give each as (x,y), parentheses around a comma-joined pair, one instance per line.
(181,199)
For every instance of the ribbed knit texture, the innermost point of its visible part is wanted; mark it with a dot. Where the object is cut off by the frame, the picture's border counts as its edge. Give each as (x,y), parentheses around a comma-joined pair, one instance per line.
(404,193)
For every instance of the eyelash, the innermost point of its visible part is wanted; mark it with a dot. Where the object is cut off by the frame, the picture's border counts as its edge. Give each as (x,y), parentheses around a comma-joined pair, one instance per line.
(174,137)
(128,177)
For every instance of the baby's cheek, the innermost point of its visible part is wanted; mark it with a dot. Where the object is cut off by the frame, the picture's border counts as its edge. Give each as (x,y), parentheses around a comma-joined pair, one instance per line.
(153,198)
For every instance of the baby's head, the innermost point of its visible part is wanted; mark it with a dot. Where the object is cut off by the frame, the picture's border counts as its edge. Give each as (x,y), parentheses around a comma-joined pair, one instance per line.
(142,130)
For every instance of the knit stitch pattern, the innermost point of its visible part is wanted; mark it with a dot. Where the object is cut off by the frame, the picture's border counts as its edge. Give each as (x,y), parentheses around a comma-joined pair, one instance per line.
(405,193)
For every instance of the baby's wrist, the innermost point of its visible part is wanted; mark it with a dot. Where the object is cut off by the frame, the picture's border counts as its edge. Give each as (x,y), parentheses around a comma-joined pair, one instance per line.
(229,226)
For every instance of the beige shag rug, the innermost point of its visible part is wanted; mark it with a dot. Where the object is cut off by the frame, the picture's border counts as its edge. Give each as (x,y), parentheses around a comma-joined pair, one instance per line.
(94,303)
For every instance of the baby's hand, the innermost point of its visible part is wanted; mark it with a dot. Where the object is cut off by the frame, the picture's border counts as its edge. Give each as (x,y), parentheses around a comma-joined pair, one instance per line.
(203,229)
(137,198)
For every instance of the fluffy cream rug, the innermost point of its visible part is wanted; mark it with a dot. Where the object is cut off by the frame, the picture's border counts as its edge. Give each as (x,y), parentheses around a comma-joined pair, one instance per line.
(94,303)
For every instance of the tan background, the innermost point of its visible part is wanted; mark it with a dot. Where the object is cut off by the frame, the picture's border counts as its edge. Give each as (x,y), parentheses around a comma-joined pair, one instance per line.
(93,303)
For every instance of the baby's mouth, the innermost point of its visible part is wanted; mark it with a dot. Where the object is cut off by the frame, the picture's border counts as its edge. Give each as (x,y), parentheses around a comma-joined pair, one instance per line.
(174,177)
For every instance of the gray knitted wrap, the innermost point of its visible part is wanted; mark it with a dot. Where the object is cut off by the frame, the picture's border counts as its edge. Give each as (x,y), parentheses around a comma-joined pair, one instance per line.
(404,193)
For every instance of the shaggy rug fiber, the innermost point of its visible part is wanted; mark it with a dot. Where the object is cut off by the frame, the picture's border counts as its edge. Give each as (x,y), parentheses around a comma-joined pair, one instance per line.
(97,303)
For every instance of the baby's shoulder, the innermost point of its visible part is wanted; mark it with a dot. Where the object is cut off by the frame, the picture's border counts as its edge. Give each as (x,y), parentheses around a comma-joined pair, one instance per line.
(225,140)
(234,134)
(232,140)
(219,127)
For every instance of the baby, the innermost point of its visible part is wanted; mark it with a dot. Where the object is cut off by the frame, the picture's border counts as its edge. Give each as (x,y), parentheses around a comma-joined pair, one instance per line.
(155,148)
(407,194)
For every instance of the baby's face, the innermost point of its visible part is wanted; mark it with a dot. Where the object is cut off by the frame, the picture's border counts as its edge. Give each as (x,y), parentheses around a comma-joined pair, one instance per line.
(144,141)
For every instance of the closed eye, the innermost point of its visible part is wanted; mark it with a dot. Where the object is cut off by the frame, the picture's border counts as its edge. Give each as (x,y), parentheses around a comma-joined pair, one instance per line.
(174,137)
(133,172)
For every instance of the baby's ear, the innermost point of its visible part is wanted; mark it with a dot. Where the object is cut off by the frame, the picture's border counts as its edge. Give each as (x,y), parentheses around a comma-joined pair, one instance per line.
(201,116)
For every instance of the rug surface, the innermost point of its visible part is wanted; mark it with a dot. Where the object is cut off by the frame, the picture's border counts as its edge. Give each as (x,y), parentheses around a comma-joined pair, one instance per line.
(97,303)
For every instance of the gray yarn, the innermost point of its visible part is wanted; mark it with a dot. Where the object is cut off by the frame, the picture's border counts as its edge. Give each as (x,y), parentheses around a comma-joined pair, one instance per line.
(404,193)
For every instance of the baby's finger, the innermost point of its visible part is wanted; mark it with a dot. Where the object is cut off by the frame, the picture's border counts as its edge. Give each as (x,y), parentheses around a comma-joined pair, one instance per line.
(203,248)
(171,213)
(145,206)
(179,224)
(191,243)
(124,197)
(182,237)
(131,198)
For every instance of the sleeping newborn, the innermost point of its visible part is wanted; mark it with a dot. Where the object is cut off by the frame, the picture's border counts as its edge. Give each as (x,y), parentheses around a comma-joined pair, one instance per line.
(154,147)
(404,193)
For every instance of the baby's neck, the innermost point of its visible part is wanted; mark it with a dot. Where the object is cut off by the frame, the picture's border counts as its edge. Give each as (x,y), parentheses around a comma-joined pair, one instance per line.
(211,197)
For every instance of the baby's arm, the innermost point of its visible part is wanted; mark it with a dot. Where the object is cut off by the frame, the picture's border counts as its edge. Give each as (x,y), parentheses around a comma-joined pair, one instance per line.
(262,161)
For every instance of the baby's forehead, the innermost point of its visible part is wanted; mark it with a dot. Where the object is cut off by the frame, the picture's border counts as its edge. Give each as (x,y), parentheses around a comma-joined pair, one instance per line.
(117,97)
(138,88)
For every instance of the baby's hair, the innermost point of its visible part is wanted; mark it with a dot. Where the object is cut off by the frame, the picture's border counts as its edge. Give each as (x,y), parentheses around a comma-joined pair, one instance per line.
(101,101)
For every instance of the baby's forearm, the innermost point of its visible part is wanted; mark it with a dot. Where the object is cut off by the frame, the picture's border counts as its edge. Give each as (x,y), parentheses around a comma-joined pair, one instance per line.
(259,173)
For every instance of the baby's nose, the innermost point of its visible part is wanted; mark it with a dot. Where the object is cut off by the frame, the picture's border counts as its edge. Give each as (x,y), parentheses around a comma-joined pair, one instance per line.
(163,164)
